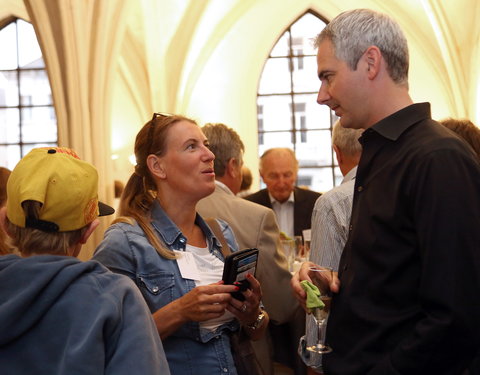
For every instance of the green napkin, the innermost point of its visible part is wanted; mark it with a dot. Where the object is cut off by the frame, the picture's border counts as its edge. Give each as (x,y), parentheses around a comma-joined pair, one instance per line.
(313,295)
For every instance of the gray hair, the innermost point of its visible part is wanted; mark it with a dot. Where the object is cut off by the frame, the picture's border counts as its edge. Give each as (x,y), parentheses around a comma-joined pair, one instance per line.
(225,144)
(347,139)
(352,32)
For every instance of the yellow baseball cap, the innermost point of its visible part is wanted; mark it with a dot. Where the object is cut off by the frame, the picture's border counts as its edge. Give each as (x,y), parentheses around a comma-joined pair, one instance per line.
(66,186)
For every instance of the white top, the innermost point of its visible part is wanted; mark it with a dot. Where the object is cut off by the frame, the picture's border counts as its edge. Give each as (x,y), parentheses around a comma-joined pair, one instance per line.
(284,213)
(210,269)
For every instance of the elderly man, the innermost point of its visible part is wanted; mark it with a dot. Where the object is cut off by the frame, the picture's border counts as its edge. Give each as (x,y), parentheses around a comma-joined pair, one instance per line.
(292,205)
(409,275)
(254,226)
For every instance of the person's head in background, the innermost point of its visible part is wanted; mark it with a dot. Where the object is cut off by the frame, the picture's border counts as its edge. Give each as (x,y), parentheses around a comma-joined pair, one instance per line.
(363,66)
(4,173)
(228,149)
(247,179)
(118,187)
(466,130)
(52,203)
(346,146)
(278,169)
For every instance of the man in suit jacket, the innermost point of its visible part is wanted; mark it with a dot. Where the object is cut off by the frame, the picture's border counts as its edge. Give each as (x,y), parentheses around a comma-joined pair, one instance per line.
(254,226)
(292,205)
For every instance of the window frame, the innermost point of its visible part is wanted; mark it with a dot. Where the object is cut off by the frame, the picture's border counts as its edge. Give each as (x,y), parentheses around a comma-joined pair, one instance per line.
(22,106)
(298,133)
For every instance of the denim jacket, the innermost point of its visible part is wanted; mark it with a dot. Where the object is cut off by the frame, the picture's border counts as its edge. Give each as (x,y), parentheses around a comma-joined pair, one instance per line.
(126,250)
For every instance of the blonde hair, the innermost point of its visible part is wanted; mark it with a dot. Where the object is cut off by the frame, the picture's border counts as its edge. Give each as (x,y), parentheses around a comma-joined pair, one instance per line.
(4,243)
(141,191)
(4,174)
(30,241)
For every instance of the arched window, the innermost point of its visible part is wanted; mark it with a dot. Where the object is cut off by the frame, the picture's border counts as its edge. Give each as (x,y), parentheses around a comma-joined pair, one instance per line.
(27,115)
(288,113)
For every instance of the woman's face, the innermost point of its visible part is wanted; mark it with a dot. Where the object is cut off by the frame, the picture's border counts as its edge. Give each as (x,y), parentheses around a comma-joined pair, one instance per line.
(187,165)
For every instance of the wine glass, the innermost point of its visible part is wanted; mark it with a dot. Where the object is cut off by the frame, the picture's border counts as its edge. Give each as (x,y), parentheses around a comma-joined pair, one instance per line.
(321,277)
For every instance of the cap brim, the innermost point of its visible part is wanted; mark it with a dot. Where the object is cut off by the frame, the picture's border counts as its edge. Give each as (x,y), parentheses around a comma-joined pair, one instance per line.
(104,209)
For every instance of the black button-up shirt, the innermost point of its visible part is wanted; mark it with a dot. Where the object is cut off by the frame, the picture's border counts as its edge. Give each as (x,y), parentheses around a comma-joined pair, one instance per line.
(409,273)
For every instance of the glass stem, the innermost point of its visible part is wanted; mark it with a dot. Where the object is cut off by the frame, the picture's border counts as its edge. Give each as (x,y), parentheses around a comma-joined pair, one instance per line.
(321,334)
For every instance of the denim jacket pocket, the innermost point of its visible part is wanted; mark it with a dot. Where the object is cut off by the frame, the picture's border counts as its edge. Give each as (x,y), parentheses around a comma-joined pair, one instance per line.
(157,284)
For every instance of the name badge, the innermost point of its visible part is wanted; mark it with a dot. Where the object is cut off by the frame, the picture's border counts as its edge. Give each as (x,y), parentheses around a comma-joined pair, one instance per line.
(186,264)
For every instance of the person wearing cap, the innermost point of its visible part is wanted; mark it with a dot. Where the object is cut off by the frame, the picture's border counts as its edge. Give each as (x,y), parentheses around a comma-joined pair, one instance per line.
(173,256)
(59,315)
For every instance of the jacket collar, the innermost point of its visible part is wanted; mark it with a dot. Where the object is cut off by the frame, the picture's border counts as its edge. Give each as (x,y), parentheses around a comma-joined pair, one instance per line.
(170,233)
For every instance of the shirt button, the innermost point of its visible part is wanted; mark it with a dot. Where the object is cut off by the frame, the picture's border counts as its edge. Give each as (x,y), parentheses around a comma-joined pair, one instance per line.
(351,227)
(360,188)
(225,369)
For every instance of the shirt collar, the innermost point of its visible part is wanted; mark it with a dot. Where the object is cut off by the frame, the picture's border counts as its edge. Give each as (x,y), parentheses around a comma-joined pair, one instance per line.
(350,175)
(273,200)
(393,126)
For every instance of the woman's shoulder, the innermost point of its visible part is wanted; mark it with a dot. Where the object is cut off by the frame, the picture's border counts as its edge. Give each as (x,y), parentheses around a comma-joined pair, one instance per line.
(124,226)
(122,236)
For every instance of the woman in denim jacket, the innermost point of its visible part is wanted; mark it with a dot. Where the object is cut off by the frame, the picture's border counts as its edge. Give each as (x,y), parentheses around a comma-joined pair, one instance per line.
(168,250)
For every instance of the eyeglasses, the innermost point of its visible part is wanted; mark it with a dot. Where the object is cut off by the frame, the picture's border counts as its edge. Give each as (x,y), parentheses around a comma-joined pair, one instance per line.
(160,114)
(152,126)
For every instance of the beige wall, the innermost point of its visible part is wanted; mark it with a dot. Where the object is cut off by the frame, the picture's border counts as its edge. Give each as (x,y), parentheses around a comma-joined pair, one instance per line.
(217,62)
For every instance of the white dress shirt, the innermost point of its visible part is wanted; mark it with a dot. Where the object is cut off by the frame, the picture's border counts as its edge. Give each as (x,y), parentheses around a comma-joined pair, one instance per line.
(284,213)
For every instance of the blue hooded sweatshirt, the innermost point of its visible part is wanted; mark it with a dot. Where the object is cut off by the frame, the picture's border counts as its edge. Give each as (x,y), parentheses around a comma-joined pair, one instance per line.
(59,315)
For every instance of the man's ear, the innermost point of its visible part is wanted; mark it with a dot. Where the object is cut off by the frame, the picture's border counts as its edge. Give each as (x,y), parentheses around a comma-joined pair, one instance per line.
(338,154)
(156,166)
(91,227)
(232,167)
(373,59)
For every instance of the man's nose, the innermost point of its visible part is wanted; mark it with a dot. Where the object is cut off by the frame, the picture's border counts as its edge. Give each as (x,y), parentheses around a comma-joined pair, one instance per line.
(323,96)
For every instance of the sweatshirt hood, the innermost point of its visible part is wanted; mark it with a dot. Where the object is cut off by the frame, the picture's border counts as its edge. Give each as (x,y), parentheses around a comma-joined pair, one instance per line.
(31,286)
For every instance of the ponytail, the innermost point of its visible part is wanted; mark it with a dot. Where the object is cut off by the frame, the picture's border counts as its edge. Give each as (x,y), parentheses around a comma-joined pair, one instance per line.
(135,205)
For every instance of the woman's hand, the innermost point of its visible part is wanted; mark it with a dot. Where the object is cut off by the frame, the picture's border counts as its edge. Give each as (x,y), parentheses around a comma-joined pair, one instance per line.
(200,304)
(248,311)
(206,302)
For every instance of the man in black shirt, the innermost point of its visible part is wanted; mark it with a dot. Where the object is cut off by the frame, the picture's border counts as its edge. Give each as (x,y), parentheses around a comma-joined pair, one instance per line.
(408,291)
